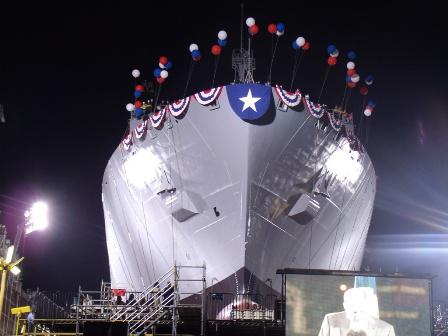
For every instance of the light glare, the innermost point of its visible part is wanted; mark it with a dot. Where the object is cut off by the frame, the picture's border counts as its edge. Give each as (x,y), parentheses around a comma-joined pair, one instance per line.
(9,254)
(37,219)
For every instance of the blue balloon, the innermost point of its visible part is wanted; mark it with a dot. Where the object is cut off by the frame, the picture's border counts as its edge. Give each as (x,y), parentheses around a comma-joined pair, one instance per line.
(371,103)
(281,27)
(196,53)
(351,55)
(331,48)
(169,65)
(137,94)
(222,43)
(157,72)
(295,45)
(348,79)
(138,112)
(369,78)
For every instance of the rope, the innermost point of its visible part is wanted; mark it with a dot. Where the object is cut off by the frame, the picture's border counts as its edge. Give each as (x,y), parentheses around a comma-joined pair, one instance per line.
(159,88)
(348,99)
(297,60)
(215,69)
(323,84)
(343,96)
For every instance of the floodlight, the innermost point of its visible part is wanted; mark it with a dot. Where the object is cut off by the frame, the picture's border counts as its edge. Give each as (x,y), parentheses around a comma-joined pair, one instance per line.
(9,254)
(15,270)
(36,217)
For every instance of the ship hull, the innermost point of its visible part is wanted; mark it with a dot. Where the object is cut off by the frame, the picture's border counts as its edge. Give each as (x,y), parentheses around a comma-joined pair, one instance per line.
(237,196)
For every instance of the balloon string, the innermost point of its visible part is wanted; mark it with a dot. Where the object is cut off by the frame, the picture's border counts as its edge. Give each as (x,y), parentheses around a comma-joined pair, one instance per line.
(297,60)
(361,117)
(215,70)
(157,97)
(272,60)
(348,99)
(190,73)
(323,84)
(368,125)
(343,96)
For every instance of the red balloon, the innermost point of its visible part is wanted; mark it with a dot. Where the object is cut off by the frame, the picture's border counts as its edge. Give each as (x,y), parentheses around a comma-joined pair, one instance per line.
(254,29)
(140,88)
(351,85)
(216,50)
(272,28)
(160,80)
(351,72)
(138,104)
(163,60)
(196,58)
(364,90)
(306,46)
(332,60)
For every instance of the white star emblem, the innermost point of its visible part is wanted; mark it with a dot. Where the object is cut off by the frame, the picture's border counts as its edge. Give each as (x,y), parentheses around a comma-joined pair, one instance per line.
(249,101)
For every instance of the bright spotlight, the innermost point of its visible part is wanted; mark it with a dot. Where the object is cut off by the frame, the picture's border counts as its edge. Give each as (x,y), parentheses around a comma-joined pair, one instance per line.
(36,217)
(9,254)
(15,270)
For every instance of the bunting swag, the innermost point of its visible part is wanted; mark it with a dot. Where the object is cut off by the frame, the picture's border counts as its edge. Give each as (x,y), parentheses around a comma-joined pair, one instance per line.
(157,118)
(316,110)
(290,99)
(179,106)
(208,96)
(335,123)
(127,141)
(140,130)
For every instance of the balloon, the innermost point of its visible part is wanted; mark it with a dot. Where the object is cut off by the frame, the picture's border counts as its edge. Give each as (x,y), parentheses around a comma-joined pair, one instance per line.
(371,103)
(137,94)
(197,58)
(222,43)
(193,47)
(306,46)
(250,21)
(351,85)
(161,66)
(350,65)
(348,79)
(160,80)
(138,112)
(157,72)
(351,72)
(279,33)
(335,53)
(332,60)
(367,112)
(138,104)
(300,41)
(280,27)
(169,65)
(351,55)
(295,45)
(254,29)
(135,73)
(364,91)
(355,78)
(216,50)
(272,28)
(163,60)
(196,53)
(139,88)
(164,74)
(331,48)
(369,80)
(222,35)
(130,107)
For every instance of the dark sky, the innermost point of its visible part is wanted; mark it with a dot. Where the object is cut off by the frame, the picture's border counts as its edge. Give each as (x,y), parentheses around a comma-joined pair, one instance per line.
(65,80)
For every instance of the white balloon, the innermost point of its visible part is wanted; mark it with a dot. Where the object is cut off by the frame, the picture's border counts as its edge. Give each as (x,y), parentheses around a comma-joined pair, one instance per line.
(335,53)
(193,47)
(300,41)
(161,66)
(350,65)
(367,112)
(130,107)
(164,74)
(135,73)
(279,33)
(222,35)
(250,21)
(355,78)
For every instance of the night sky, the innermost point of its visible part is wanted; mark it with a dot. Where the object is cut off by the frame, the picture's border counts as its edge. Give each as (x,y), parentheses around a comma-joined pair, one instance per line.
(65,79)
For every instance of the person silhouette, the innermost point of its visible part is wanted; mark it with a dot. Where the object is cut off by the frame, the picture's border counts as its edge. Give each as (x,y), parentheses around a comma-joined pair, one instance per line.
(356,319)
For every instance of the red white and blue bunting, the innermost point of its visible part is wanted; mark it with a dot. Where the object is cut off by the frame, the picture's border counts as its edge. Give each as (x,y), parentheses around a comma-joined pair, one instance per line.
(157,117)
(316,110)
(140,130)
(127,141)
(290,99)
(334,122)
(208,96)
(179,106)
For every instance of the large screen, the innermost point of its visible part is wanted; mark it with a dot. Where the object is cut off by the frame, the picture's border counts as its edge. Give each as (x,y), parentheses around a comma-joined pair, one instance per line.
(349,305)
